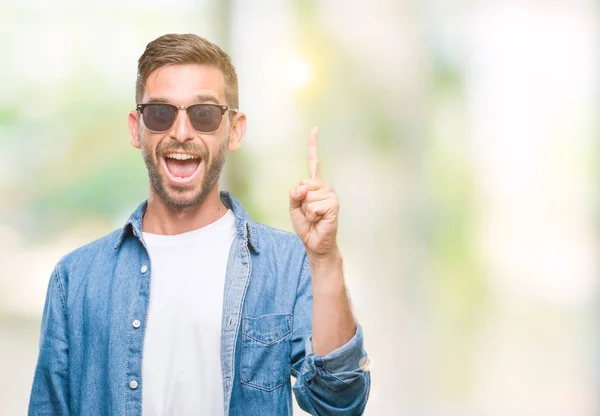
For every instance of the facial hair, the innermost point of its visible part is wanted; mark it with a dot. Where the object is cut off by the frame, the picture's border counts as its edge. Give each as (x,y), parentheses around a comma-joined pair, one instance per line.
(175,196)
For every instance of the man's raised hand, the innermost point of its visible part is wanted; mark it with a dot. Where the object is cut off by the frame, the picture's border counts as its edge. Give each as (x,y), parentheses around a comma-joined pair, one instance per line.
(314,208)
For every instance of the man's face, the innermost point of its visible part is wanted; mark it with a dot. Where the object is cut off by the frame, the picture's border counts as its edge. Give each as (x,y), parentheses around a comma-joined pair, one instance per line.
(183,164)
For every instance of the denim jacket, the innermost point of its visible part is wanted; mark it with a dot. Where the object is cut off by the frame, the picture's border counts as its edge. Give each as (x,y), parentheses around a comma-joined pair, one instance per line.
(94,320)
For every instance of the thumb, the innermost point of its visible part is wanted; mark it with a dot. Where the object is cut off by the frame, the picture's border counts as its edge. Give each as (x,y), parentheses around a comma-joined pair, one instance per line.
(296,196)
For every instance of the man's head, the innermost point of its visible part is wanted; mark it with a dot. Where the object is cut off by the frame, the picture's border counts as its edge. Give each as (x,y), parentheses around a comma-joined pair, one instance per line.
(184,150)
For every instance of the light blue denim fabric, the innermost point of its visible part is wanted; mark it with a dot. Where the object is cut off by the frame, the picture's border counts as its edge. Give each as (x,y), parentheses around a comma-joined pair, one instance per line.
(90,360)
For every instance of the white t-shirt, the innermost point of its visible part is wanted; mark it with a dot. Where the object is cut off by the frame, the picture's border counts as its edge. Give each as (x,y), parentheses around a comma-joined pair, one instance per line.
(181,368)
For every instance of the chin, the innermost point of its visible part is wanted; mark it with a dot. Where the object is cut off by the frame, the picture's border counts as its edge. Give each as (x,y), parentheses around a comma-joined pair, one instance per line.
(182,197)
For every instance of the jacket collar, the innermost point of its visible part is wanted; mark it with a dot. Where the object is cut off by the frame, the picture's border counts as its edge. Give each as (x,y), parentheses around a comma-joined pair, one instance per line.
(245,227)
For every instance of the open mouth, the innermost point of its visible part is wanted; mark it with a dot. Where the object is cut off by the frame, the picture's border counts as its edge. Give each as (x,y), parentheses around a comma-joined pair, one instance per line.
(181,167)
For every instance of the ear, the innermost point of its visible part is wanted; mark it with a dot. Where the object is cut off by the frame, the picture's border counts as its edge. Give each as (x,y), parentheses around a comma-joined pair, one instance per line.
(134,128)
(238,130)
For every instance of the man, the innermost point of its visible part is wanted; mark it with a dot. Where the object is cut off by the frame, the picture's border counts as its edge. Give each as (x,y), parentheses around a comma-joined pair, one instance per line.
(192,308)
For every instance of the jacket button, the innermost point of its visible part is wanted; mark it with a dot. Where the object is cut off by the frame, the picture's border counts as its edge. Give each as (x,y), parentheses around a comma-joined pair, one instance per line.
(144,269)
(364,363)
(136,323)
(133,384)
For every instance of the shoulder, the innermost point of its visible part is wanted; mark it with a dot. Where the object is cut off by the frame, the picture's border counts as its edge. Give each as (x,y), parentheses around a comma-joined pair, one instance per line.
(88,253)
(279,250)
(275,239)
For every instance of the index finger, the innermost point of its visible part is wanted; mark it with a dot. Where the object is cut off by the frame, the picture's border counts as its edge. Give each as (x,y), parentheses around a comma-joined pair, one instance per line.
(313,154)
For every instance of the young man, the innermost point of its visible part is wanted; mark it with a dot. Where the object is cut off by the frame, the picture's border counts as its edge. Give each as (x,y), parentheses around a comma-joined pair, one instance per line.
(192,308)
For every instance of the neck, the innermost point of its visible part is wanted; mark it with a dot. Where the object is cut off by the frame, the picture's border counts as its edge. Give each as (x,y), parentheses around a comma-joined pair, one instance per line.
(163,219)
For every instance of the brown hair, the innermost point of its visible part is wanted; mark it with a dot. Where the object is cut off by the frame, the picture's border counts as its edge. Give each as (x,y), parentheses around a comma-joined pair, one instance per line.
(186,49)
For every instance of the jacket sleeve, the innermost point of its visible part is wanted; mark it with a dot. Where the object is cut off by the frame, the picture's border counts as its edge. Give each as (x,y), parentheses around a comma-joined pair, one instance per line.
(335,384)
(49,394)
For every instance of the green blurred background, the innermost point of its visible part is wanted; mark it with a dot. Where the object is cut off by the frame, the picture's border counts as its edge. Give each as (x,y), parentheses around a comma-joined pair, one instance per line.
(459,135)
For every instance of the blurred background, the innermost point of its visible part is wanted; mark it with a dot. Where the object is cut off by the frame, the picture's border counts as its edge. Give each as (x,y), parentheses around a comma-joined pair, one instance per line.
(461,137)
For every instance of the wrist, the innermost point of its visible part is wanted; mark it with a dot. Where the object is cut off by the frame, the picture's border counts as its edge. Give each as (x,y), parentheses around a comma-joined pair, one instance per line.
(329,261)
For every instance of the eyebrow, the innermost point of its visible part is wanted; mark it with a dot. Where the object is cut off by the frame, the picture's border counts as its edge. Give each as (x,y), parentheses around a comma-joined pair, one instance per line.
(207,99)
(198,99)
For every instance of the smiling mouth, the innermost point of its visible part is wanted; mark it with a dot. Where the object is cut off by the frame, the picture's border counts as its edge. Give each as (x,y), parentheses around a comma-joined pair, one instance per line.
(181,167)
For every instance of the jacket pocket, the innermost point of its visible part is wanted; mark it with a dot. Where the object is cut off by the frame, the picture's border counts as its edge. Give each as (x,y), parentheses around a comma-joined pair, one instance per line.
(266,349)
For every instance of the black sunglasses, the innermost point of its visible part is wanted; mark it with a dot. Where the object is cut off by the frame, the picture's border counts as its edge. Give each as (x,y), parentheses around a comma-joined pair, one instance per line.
(205,118)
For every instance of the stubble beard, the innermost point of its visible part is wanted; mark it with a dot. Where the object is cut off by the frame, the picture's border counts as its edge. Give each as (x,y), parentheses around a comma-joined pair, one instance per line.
(177,197)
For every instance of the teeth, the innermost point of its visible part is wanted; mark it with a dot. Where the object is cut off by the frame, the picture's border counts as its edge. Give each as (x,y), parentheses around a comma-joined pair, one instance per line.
(181,156)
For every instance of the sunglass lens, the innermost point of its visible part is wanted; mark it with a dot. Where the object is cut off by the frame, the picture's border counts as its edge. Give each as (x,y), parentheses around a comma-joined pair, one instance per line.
(159,117)
(205,118)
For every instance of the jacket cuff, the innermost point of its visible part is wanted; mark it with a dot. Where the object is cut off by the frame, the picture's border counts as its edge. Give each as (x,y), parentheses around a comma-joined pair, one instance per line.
(344,363)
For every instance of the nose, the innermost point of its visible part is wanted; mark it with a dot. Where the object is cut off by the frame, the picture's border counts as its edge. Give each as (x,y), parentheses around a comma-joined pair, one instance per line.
(182,129)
